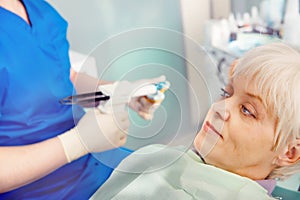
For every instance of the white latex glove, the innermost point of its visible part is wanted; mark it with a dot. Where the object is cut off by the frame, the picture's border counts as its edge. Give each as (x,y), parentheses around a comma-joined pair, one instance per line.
(95,132)
(133,95)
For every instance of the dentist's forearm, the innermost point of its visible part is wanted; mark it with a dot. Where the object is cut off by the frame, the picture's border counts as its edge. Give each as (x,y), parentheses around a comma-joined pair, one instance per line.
(22,165)
(84,83)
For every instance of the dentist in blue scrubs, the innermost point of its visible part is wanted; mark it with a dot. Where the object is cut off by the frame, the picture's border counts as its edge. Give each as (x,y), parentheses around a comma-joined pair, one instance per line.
(45,146)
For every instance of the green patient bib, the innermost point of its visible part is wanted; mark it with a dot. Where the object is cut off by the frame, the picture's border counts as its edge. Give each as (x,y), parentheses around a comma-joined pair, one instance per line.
(161,172)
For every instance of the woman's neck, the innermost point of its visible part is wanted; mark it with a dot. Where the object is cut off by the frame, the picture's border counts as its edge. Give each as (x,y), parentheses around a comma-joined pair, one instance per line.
(16,7)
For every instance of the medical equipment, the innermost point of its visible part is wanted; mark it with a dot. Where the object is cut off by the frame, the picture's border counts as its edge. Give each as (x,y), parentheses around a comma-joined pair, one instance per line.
(153,92)
(86,99)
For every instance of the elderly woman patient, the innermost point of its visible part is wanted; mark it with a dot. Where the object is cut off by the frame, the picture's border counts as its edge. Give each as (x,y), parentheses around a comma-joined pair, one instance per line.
(249,139)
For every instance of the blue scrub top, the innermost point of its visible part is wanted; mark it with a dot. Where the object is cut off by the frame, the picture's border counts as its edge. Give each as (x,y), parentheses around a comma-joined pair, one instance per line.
(34,75)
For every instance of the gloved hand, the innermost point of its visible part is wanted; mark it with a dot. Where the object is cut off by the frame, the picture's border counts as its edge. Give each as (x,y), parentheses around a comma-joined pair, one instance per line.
(134,95)
(145,106)
(95,132)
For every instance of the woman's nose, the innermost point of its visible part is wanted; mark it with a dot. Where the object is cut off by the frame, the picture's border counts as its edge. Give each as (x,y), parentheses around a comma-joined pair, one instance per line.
(220,109)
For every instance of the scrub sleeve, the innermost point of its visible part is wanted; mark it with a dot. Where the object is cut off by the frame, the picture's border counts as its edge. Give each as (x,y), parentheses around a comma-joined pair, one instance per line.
(34,75)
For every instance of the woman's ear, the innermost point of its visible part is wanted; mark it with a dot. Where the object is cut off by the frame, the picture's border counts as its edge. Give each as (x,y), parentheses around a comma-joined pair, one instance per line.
(290,155)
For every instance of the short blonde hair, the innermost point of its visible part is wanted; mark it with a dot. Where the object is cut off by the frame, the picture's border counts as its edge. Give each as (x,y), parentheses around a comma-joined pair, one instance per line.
(275,70)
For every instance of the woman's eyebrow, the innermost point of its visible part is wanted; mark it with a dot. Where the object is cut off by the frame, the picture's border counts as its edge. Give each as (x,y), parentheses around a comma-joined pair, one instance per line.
(255,96)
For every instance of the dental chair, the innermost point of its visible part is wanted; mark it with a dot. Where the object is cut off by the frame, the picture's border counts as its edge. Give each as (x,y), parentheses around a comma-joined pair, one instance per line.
(288,189)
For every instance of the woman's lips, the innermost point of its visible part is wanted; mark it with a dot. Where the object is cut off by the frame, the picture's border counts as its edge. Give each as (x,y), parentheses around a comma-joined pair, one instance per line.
(208,126)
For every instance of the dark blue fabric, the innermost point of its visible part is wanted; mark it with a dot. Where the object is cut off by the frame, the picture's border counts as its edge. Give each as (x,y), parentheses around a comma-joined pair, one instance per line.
(34,75)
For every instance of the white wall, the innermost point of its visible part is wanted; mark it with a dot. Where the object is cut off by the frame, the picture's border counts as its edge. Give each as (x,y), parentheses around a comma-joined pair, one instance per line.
(221,8)
(201,69)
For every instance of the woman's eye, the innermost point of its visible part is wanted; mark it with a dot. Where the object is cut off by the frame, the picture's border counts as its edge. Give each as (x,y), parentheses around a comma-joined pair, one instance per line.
(224,93)
(247,112)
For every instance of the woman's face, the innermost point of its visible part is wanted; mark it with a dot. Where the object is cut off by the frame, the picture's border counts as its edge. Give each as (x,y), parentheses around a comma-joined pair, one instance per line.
(244,130)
